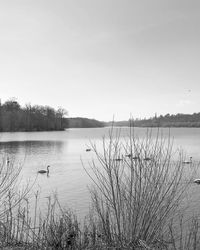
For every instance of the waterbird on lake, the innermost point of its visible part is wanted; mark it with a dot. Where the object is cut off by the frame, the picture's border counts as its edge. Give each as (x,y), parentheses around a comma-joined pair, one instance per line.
(197,181)
(147,159)
(44,171)
(119,159)
(188,162)
(8,161)
(136,158)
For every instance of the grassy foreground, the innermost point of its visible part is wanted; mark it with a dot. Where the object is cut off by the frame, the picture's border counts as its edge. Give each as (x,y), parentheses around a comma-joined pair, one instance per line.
(138,202)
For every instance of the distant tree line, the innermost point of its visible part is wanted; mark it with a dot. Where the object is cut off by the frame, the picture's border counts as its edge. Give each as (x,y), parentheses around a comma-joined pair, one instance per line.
(178,120)
(13,117)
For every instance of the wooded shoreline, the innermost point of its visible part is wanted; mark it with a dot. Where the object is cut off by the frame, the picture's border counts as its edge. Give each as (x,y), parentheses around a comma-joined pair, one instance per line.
(14,118)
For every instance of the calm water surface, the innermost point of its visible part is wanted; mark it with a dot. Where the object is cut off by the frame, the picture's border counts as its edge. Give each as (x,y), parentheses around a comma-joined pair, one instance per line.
(64,150)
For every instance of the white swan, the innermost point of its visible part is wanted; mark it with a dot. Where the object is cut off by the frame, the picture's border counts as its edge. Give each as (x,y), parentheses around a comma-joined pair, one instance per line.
(188,162)
(44,171)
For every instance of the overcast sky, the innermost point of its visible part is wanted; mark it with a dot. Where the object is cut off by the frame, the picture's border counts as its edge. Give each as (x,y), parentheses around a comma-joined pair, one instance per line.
(99,58)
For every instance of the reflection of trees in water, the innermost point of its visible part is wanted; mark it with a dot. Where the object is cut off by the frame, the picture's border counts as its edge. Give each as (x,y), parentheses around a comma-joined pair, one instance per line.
(32,147)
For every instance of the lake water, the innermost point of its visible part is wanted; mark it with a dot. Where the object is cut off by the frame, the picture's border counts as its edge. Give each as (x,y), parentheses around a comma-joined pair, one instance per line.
(63,151)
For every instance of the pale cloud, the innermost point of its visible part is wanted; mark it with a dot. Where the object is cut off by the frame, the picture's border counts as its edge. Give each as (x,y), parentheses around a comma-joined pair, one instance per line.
(184,102)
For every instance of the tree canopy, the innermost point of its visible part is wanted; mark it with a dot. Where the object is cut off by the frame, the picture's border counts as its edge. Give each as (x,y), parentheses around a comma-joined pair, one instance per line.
(13,117)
